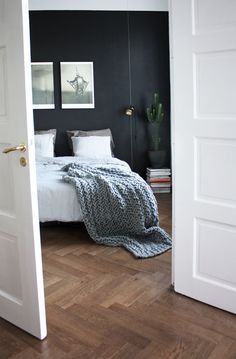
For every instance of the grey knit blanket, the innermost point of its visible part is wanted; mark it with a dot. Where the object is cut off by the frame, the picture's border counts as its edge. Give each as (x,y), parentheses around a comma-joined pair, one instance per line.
(119,209)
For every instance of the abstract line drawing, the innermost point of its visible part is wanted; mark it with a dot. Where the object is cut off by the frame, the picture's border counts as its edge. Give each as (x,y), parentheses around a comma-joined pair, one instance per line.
(77,87)
(79,84)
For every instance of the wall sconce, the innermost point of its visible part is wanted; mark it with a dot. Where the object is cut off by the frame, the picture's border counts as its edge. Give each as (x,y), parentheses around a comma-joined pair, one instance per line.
(129,111)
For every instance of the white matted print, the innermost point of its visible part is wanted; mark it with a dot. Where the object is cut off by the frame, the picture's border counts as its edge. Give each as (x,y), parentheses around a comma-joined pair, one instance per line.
(77,85)
(42,85)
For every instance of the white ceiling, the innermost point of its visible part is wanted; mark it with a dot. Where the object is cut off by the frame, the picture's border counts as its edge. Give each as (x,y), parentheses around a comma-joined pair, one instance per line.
(137,5)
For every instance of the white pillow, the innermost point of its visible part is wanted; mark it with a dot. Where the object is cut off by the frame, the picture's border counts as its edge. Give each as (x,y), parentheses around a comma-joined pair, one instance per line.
(44,146)
(95,147)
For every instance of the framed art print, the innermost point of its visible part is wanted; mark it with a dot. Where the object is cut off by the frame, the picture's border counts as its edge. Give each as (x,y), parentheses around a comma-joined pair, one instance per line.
(42,85)
(77,85)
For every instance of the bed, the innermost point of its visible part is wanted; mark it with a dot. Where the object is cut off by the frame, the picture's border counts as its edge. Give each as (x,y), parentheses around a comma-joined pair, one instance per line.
(116,205)
(57,199)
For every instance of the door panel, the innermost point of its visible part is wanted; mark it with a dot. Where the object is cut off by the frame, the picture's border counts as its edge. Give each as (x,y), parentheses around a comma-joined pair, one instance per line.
(204,136)
(10,282)
(210,235)
(213,184)
(213,15)
(21,281)
(212,71)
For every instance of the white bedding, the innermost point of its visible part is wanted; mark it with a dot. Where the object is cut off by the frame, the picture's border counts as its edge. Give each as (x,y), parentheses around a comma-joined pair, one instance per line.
(57,199)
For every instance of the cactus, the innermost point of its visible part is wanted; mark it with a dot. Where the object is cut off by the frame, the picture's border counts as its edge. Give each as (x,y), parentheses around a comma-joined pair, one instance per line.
(155,112)
(155,117)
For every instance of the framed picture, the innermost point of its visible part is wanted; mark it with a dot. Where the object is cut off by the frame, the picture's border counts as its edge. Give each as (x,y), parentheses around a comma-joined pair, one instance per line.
(42,85)
(77,85)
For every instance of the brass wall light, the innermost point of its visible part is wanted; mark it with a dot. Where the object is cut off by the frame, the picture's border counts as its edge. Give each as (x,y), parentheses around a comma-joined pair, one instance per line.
(129,110)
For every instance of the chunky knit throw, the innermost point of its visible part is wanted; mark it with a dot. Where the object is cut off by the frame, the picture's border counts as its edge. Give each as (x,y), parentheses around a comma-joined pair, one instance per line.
(119,209)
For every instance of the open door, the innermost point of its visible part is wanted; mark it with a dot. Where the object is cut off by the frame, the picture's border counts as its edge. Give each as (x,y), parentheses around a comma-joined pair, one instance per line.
(203,34)
(21,280)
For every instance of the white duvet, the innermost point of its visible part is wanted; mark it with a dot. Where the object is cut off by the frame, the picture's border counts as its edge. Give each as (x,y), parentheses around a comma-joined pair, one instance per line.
(57,199)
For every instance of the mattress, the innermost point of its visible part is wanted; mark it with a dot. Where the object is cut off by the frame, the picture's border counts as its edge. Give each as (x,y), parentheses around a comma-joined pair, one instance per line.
(57,200)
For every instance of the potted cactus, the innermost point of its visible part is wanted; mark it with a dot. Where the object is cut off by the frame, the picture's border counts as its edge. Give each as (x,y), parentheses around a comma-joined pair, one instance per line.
(155,116)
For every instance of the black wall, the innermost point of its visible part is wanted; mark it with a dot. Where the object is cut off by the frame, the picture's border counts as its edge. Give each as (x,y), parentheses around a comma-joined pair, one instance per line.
(110,40)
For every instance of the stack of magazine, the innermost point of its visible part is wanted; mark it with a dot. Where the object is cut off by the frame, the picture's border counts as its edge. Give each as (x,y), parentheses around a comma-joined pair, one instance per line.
(159,179)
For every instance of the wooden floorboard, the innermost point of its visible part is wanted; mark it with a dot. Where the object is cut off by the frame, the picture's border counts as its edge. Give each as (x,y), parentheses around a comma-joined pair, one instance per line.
(103,303)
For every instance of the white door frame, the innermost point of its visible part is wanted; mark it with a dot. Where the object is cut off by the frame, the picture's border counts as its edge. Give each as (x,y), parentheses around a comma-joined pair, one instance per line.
(172,144)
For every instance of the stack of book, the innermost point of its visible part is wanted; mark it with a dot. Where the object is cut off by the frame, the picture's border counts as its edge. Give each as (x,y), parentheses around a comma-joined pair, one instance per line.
(159,179)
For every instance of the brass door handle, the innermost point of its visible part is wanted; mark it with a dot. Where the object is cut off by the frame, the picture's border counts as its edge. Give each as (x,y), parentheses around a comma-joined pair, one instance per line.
(21,147)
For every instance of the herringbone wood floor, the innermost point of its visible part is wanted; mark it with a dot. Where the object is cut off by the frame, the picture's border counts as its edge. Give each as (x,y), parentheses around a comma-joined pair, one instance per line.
(103,303)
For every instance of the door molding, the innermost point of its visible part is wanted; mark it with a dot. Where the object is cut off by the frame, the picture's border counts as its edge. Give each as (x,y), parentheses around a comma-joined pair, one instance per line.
(103,5)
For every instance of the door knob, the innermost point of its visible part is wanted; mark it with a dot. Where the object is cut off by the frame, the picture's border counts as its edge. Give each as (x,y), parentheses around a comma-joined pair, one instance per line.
(21,147)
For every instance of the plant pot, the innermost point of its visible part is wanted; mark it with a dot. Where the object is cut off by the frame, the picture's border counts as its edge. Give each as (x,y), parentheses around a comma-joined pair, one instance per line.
(157,158)
(153,130)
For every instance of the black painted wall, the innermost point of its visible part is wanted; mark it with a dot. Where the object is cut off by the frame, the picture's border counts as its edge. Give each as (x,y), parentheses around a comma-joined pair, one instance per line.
(109,39)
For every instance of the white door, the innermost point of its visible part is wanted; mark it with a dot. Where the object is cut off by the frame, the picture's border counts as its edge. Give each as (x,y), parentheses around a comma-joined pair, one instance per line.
(21,281)
(203,34)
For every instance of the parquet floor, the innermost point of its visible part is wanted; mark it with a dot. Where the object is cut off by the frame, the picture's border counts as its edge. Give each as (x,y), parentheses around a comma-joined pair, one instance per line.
(103,303)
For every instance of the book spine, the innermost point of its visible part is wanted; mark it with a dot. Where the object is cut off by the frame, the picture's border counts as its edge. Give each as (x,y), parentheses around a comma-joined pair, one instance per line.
(159,185)
(159,180)
(158,174)
(161,190)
